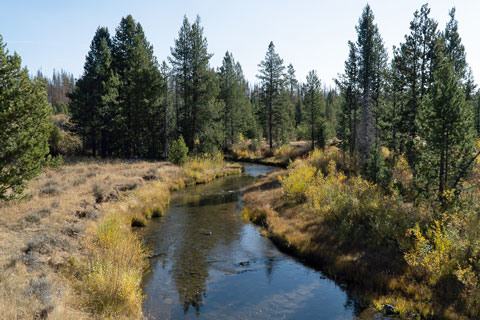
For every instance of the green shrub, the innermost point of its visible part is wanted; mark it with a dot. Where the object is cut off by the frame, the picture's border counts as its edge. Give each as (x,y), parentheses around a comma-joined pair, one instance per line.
(178,152)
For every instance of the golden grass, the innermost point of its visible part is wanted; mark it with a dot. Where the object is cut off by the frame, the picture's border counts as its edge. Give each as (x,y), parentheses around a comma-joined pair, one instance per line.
(279,156)
(63,245)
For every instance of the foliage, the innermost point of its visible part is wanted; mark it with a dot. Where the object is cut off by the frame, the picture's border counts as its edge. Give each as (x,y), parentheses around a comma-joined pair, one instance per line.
(297,183)
(115,267)
(25,125)
(448,249)
(356,206)
(199,167)
(178,152)
(285,151)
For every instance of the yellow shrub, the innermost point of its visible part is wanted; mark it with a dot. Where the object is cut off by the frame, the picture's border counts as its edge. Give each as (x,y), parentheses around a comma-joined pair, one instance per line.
(241,154)
(116,262)
(204,166)
(402,173)
(285,151)
(298,181)
(321,158)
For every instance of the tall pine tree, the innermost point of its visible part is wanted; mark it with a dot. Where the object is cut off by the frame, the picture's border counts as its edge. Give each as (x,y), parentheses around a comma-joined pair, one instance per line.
(371,67)
(447,129)
(94,104)
(24,124)
(140,91)
(315,113)
(272,82)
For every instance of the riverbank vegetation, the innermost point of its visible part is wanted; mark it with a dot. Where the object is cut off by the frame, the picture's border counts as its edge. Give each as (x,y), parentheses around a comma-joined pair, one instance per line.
(69,248)
(394,210)
(416,256)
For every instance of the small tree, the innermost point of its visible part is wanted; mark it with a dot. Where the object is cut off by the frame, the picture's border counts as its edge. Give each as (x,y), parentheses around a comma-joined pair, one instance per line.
(447,128)
(178,152)
(25,124)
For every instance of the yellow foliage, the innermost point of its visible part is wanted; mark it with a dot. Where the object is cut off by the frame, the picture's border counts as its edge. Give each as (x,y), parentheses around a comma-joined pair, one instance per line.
(321,158)
(298,181)
(116,262)
(201,167)
(402,173)
(285,151)
(432,252)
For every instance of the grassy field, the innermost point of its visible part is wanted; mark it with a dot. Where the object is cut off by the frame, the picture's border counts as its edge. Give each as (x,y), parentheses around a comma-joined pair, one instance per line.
(68,249)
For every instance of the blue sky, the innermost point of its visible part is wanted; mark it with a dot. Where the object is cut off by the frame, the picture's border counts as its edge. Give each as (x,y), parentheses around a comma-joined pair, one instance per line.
(309,34)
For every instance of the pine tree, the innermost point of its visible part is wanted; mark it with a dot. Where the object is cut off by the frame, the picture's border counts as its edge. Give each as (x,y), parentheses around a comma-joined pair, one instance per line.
(198,111)
(140,91)
(165,71)
(454,49)
(94,100)
(391,119)
(476,103)
(415,60)
(313,101)
(25,124)
(237,110)
(371,65)
(291,80)
(447,129)
(347,129)
(271,77)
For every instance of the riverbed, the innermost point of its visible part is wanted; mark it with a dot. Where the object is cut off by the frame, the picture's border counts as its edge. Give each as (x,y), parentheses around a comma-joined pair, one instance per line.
(209,263)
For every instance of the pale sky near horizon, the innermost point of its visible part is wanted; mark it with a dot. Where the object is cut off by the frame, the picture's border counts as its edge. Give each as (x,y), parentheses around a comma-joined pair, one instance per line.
(309,34)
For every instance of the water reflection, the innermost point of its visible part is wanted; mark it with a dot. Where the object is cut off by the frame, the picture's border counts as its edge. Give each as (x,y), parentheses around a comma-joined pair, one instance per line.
(217,266)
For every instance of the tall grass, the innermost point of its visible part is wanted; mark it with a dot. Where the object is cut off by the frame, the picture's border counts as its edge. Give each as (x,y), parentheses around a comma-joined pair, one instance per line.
(116,263)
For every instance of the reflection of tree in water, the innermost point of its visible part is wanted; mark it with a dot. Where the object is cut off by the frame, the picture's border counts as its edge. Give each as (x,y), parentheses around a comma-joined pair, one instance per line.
(202,215)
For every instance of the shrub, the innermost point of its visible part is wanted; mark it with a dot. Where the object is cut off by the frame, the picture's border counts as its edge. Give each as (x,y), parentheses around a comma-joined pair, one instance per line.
(51,187)
(285,152)
(253,146)
(322,158)
(178,152)
(200,167)
(297,183)
(114,272)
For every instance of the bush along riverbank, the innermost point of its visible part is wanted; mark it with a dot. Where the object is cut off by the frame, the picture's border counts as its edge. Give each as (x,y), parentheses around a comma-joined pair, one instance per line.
(413,259)
(69,249)
(253,151)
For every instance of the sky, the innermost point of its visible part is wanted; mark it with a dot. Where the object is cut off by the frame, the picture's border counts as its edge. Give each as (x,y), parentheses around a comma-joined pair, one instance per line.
(310,34)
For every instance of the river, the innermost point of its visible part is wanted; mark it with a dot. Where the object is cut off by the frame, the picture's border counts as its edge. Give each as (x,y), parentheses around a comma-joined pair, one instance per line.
(209,263)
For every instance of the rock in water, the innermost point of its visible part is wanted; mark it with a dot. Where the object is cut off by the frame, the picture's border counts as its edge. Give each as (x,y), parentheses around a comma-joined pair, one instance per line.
(388,309)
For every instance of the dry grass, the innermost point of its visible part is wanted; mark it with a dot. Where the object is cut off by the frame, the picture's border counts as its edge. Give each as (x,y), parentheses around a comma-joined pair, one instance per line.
(50,250)
(279,156)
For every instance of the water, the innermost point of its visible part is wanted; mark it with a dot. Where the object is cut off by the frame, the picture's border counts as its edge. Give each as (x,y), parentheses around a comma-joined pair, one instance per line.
(211,264)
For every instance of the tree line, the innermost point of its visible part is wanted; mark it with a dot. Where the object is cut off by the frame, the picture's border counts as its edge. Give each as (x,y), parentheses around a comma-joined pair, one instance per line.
(59,87)
(127,104)
(421,104)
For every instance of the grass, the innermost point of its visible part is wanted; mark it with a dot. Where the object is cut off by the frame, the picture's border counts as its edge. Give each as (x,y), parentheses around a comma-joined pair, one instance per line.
(360,235)
(280,156)
(79,244)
